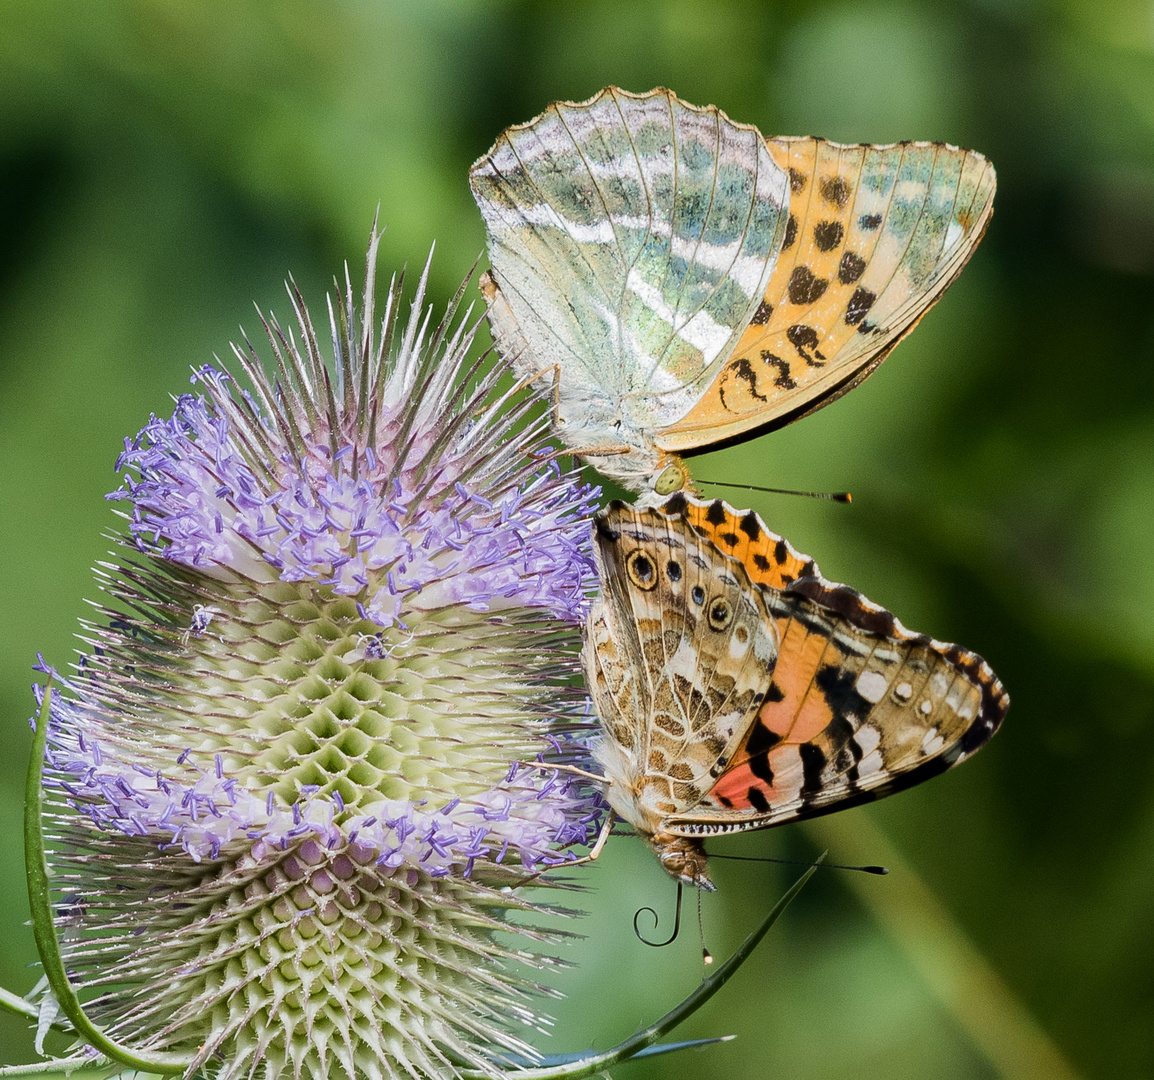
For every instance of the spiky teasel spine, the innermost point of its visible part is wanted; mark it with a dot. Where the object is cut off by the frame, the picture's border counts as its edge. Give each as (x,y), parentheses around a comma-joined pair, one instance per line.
(302,758)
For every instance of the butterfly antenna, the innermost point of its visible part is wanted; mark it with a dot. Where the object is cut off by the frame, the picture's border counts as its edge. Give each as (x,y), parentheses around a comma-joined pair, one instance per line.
(706,955)
(676,923)
(832,496)
(879,870)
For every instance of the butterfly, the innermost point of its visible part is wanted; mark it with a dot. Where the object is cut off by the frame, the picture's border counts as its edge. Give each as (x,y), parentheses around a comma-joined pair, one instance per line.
(737,688)
(686,282)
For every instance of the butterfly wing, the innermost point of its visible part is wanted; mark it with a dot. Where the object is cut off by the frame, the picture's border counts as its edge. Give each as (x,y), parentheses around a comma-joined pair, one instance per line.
(768,559)
(631,238)
(858,707)
(701,646)
(875,234)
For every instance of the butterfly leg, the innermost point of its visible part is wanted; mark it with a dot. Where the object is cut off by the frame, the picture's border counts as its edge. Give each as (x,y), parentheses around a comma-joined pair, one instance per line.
(571,769)
(528,380)
(602,837)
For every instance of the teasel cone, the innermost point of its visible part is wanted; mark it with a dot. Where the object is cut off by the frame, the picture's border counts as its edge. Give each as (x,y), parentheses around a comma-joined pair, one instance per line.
(302,766)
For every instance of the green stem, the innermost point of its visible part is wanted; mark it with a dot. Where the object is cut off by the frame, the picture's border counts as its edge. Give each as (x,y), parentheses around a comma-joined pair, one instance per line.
(44,929)
(646,1037)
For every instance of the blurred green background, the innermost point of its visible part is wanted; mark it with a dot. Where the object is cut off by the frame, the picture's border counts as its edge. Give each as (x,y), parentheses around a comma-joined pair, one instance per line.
(163,165)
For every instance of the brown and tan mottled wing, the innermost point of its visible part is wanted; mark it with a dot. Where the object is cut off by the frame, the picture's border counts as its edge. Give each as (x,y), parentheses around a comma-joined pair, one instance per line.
(698,632)
(859,707)
(875,234)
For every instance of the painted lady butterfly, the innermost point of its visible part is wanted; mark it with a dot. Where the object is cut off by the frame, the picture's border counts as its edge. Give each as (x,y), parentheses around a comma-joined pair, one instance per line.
(685,281)
(738,688)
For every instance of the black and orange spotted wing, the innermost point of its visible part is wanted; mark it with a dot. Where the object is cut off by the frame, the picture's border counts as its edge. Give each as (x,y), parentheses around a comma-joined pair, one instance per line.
(857,706)
(874,236)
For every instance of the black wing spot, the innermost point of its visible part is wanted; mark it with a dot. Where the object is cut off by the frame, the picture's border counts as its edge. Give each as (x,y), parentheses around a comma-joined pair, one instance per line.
(761,740)
(673,569)
(840,691)
(780,551)
(804,287)
(851,267)
(858,306)
(775,692)
(812,764)
(729,539)
(698,594)
(790,233)
(607,532)
(828,234)
(677,505)
(760,561)
(758,800)
(716,514)
(763,313)
(835,190)
(797,180)
(751,526)
(784,379)
(870,221)
(804,339)
(742,369)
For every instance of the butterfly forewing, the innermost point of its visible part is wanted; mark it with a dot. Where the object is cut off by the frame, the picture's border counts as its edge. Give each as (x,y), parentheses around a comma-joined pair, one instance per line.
(767,558)
(874,236)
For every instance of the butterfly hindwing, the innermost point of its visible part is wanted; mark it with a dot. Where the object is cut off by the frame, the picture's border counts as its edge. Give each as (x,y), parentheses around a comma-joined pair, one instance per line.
(874,236)
(706,645)
(630,239)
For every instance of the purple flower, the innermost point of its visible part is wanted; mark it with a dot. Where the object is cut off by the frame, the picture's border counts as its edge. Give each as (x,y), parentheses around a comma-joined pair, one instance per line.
(311,745)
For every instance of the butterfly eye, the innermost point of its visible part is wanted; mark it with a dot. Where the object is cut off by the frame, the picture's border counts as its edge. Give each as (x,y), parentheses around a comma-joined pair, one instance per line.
(674,571)
(642,572)
(720,614)
(671,479)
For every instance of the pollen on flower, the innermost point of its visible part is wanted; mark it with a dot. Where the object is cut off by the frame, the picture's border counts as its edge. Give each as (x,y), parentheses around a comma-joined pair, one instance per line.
(309,748)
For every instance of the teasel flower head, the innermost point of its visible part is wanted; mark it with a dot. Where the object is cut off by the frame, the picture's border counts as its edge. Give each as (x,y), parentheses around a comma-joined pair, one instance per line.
(296,777)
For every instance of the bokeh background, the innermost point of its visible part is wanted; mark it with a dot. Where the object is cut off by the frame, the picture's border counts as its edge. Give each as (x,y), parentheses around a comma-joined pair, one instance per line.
(163,165)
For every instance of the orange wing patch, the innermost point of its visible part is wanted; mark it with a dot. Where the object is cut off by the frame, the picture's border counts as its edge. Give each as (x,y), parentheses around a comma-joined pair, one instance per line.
(768,559)
(874,236)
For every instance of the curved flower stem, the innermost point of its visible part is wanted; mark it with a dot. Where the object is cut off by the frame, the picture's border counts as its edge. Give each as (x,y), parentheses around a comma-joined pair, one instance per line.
(646,1037)
(44,929)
